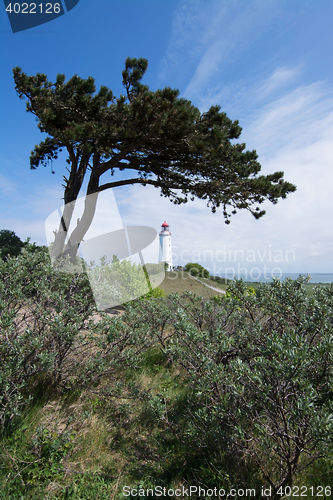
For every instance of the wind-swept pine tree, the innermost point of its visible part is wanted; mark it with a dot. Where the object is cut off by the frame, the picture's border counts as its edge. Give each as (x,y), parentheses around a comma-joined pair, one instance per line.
(163,139)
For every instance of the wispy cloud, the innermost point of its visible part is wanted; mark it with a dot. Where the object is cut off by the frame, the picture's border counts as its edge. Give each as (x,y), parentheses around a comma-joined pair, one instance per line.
(298,119)
(292,132)
(207,35)
(281,77)
(7,186)
(291,126)
(191,33)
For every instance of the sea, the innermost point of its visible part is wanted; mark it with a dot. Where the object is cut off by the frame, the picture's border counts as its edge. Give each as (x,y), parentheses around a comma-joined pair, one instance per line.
(264,278)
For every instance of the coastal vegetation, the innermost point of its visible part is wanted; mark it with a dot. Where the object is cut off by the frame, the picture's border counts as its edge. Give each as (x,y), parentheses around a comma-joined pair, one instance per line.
(173,391)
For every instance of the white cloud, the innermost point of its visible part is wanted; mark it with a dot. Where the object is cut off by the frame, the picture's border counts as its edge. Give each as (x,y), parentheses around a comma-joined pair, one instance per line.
(299,118)
(290,229)
(7,186)
(208,35)
(290,124)
(191,33)
(280,78)
(26,214)
(45,201)
(33,228)
(208,66)
(291,130)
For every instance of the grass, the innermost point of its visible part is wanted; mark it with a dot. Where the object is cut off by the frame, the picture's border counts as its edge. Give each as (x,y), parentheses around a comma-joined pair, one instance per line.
(89,445)
(178,282)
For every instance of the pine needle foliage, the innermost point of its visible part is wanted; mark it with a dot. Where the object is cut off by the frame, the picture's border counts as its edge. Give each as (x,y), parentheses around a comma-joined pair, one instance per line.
(159,137)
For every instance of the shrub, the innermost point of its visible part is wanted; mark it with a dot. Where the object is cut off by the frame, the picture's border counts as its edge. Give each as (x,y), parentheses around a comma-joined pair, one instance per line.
(196,270)
(259,366)
(51,333)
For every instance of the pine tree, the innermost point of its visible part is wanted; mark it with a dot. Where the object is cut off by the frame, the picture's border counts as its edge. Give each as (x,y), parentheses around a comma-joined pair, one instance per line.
(163,139)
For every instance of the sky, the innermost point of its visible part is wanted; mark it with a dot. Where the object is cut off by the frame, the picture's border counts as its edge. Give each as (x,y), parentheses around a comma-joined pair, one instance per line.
(267,63)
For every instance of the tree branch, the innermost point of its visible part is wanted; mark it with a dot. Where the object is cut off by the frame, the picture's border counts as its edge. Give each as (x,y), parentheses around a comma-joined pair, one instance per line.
(126,182)
(123,153)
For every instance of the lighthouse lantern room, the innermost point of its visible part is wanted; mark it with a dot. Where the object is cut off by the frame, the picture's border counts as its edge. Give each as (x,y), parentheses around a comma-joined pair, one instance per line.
(165,246)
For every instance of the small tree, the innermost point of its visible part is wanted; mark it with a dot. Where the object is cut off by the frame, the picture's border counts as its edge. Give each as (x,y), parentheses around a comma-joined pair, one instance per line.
(196,270)
(10,244)
(162,139)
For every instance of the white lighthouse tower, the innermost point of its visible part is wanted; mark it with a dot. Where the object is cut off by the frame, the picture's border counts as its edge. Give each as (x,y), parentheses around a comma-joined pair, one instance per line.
(165,246)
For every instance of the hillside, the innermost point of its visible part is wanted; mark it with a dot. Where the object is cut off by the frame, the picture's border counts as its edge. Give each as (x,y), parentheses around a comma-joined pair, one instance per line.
(173,392)
(178,282)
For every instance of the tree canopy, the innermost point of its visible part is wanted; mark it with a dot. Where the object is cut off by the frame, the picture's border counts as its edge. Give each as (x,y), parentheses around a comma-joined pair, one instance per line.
(10,243)
(197,270)
(163,139)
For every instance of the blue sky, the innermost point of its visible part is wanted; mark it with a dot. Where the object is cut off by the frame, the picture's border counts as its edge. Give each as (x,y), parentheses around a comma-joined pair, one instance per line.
(267,63)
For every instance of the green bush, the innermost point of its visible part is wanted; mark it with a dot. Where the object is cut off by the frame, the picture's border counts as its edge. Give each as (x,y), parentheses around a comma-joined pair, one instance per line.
(116,283)
(259,366)
(241,388)
(51,335)
(196,270)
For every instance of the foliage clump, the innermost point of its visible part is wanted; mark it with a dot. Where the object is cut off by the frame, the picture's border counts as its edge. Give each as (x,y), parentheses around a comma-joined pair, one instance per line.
(51,334)
(230,392)
(161,139)
(11,245)
(196,270)
(259,367)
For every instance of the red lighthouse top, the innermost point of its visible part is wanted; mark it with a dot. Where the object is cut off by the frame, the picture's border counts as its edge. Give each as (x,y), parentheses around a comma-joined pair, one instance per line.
(165,229)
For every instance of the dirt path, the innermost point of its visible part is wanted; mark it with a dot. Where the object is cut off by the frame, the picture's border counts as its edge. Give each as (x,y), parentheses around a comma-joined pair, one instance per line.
(208,286)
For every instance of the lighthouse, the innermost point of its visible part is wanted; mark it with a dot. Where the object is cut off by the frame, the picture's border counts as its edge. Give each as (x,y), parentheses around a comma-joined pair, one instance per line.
(165,246)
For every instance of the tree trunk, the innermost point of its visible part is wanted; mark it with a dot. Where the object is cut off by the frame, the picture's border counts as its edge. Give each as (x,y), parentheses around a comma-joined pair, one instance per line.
(60,249)
(82,227)
(61,234)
